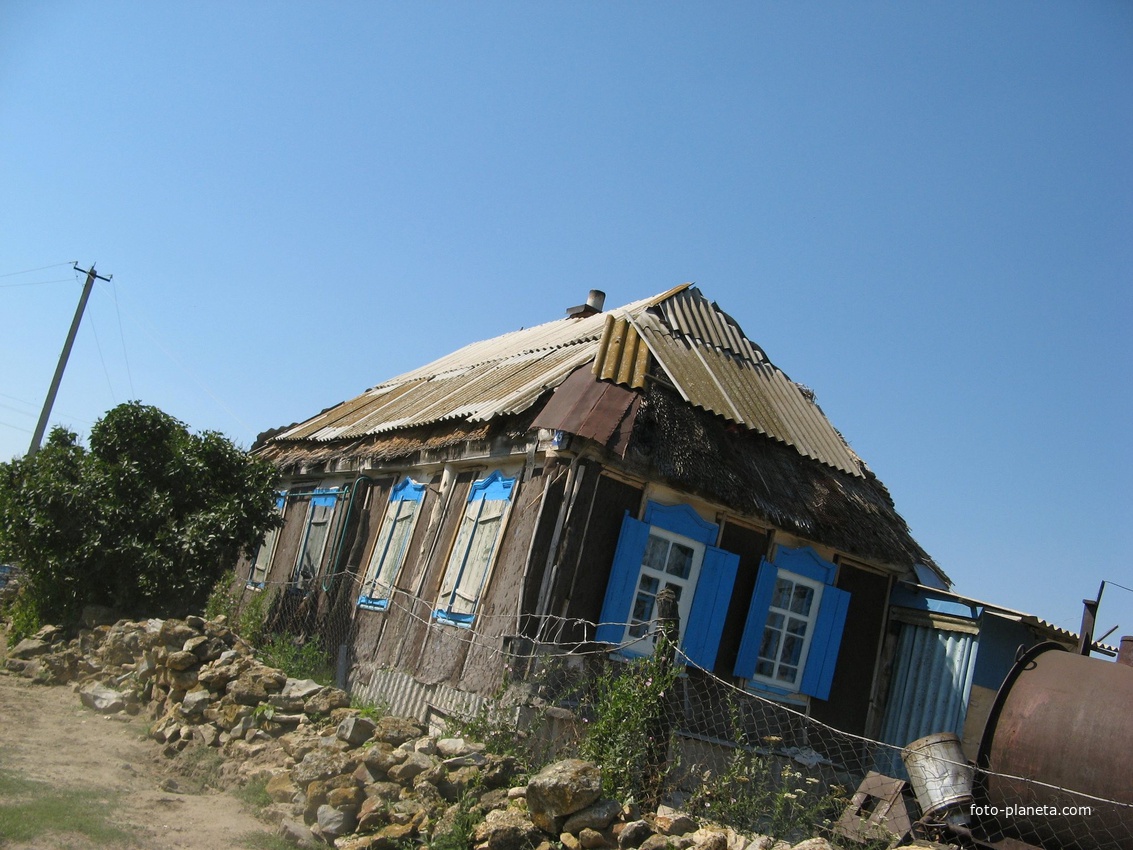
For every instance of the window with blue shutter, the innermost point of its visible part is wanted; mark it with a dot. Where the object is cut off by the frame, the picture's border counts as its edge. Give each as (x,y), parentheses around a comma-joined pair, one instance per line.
(392,544)
(320,512)
(472,553)
(671,548)
(261,563)
(794,625)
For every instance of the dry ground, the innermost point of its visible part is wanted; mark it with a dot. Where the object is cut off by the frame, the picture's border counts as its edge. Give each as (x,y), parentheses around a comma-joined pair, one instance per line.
(47,735)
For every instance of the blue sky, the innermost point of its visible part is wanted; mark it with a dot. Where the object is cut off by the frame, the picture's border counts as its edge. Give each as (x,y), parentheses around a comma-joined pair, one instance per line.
(921,210)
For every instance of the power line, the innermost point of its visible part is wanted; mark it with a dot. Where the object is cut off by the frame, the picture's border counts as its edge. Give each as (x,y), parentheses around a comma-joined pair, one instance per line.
(41,268)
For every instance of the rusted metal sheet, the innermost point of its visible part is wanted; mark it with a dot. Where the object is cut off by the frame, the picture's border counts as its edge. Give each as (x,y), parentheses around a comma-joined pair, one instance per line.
(586,407)
(1062,719)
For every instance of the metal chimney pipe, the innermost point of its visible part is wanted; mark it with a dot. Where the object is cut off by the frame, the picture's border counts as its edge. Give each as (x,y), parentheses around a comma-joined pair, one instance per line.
(1125,653)
(596,299)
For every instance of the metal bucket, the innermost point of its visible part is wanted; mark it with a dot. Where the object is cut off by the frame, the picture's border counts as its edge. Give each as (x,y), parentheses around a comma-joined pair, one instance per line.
(939,773)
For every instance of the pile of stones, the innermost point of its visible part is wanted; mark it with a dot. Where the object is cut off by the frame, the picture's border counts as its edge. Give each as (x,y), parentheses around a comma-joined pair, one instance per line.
(336,774)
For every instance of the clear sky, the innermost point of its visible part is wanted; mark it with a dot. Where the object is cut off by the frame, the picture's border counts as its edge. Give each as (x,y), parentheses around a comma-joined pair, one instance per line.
(923,211)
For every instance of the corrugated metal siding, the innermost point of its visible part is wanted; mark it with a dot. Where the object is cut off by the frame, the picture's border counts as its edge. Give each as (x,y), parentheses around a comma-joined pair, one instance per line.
(406,697)
(929,689)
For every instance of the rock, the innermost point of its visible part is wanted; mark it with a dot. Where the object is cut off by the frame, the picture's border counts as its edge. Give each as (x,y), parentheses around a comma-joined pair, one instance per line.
(394,836)
(372,814)
(415,763)
(348,797)
(297,833)
(195,702)
(569,842)
(207,734)
(562,788)
(506,829)
(448,748)
(281,788)
(326,701)
(813,844)
(300,689)
(634,833)
(381,757)
(29,648)
(661,842)
(183,680)
(718,841)
(397,730)
(597,816)
(246,691)
(181,660)
(102,699)
(675,824)
(320,763)
(592,839)
(355,730)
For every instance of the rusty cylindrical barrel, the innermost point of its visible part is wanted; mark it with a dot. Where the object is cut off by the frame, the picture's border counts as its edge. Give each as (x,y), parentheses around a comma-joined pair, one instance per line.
(1064,720)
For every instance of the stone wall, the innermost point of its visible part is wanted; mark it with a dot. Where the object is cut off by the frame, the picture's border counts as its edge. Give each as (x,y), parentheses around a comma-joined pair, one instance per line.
(335,775)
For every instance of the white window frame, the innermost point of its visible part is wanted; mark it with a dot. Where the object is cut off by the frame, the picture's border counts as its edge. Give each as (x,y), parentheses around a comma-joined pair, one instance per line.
(403,506)
(260,563)
(641,633)
(472,555)
(777,663)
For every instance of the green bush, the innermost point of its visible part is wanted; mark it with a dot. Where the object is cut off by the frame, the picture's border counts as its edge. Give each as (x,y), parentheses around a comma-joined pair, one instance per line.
(144,521)
(22,614)
(297,660)
(624,726)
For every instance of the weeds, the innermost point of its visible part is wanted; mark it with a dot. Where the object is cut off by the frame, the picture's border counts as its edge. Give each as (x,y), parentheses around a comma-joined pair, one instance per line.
(760,792)
(299,661)
(22,614)
(623,726)
(199,767)
(254,794)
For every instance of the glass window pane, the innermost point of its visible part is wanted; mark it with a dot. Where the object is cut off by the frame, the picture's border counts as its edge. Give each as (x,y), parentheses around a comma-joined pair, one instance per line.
(769,646)
(796,626)
(787,674)
(680,560)
(792,650)
(782,596)
(656,551)
(801,599)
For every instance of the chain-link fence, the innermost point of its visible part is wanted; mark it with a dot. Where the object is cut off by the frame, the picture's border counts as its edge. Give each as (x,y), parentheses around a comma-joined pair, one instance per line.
(665,730)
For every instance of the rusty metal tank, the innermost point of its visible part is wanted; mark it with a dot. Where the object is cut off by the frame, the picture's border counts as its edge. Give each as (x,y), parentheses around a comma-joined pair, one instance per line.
(1065,720)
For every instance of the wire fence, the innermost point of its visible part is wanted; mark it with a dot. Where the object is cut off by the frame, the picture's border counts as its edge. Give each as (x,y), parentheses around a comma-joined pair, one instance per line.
(666,730)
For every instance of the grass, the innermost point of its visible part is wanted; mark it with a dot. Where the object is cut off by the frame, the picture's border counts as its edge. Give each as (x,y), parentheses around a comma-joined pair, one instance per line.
(263,841)
(253,794)
(29,809)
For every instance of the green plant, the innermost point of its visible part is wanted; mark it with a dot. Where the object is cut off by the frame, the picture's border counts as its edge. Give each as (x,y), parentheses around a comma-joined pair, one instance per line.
(254,794)
(300,661)
(221,601)
(764,793)
(370,710)
(455,833)
(264,841)
(626,727)
(22,614)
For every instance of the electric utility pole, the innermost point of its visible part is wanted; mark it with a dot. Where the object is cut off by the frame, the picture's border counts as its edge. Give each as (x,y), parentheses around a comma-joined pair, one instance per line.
(37,438)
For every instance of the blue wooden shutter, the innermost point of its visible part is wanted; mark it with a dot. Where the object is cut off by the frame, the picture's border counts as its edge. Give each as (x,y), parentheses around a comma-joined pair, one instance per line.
(823,654)
(710,606)
(756,619)
(623,580)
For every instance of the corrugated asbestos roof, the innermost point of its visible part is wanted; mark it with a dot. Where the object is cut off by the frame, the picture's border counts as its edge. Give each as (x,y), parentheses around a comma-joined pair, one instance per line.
(679,336)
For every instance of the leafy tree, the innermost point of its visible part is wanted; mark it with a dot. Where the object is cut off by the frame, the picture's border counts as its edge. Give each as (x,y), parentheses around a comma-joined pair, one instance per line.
(145,521)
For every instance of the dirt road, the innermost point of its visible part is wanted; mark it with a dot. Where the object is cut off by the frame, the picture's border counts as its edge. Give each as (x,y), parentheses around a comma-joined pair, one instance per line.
(47,735)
